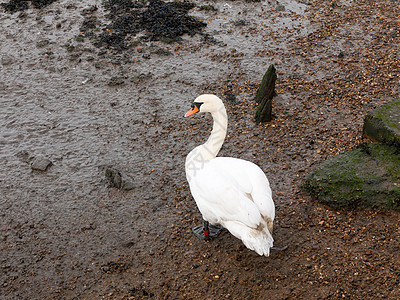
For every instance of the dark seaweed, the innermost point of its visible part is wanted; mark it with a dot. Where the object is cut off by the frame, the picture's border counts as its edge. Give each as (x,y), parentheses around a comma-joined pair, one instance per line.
(19,5)
(156,19)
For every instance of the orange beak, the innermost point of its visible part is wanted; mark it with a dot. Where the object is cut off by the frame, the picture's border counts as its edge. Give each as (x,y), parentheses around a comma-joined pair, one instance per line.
(192,111)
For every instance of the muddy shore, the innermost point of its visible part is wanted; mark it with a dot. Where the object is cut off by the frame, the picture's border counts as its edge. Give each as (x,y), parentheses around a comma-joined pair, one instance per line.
(66,234)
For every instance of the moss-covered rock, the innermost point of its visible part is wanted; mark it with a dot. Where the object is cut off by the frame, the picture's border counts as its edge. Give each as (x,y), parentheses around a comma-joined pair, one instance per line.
(383,124)
(368,176)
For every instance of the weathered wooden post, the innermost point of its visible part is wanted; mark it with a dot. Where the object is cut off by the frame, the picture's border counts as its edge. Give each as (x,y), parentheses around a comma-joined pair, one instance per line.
(265,93)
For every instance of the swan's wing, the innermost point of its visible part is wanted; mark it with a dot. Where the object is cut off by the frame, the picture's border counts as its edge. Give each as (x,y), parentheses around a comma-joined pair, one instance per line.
(223,196)
(251,180)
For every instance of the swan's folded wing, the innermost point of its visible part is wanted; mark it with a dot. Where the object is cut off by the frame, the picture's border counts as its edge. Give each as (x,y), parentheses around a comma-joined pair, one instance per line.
(249,179)
(219,197)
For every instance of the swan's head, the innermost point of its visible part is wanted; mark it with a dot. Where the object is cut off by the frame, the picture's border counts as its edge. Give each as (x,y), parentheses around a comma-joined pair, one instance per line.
(205,103)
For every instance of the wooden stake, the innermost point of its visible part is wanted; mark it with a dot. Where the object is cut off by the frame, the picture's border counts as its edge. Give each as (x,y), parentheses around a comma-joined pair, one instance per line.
(264,96)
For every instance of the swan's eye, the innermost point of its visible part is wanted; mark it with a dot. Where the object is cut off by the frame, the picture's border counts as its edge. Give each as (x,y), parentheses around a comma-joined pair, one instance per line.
(197,104)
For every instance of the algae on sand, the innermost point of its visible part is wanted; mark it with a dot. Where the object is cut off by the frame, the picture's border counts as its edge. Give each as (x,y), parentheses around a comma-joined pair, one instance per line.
(368,176)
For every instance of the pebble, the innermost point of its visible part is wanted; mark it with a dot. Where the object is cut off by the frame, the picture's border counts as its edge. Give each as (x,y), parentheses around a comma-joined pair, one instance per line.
(41,164)
(127,186)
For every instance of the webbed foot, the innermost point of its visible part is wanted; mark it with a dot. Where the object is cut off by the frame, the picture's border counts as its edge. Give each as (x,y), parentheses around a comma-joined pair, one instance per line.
(206,231)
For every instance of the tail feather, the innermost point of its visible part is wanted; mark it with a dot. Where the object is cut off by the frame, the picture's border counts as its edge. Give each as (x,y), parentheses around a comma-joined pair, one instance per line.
(258,239)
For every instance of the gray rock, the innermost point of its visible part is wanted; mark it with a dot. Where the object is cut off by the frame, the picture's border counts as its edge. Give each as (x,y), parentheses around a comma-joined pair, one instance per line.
(41,164)
(127,185)
(114,178)
(364,177)
(383,124)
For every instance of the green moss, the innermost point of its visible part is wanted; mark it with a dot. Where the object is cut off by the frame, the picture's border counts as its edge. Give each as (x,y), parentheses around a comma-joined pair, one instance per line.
(390,113)
(383,123)
(368,176)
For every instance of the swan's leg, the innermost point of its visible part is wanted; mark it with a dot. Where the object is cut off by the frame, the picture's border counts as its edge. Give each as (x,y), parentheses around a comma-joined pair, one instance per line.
(206,231)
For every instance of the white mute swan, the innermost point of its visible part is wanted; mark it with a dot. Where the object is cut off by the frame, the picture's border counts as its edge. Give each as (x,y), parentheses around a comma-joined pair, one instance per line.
(231,192)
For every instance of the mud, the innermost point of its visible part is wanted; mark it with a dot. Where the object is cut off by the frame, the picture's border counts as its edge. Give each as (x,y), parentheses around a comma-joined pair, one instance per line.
(66,234)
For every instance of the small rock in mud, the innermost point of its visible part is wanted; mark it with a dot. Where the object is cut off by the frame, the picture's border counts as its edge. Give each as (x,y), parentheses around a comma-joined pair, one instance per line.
(127,185)
(41,164)
(114,178)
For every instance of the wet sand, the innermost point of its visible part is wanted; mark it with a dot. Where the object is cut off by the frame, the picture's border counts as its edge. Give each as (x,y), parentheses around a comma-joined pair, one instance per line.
(65,234)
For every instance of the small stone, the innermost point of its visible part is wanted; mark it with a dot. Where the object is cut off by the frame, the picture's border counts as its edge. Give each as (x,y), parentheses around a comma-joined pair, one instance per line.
(127,185)
(41,164)
(114,177)
(117,180)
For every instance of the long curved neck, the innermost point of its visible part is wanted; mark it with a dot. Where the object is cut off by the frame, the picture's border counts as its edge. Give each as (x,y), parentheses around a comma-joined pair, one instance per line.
(218,134)
(198,156)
